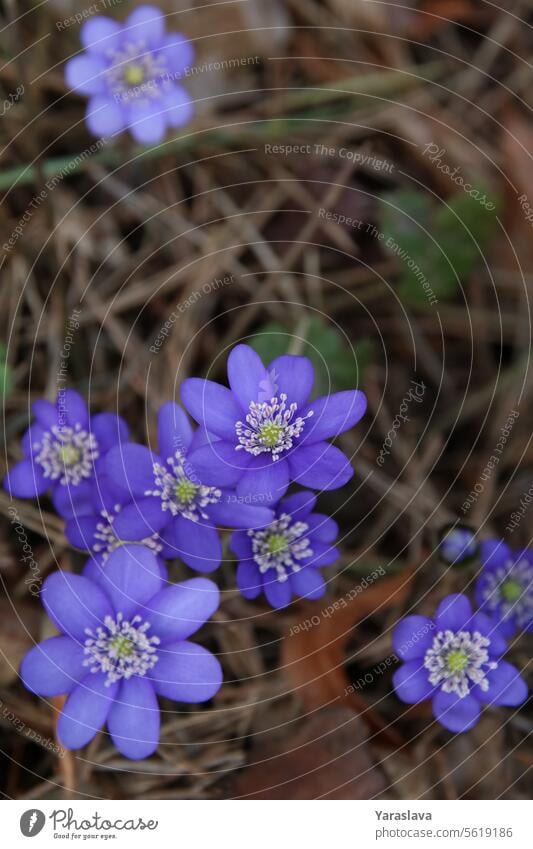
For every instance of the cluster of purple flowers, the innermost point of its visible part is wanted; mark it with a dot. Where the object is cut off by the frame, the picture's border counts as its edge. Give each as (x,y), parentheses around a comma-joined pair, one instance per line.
(456,658)
(124,636)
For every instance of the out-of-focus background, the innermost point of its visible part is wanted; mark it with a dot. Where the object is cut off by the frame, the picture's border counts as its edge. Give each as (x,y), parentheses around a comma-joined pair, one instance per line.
(356,185)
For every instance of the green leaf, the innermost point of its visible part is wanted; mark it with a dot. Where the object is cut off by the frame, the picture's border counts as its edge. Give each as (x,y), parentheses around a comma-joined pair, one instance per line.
(6,377)
(435,266)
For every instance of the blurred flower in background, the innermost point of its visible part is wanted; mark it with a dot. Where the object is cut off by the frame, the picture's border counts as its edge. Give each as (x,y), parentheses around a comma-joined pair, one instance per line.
(504,589)
(457,544)
(131,75)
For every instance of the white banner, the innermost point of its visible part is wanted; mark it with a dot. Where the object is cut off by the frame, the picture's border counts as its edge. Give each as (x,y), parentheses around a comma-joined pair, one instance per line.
(251,825)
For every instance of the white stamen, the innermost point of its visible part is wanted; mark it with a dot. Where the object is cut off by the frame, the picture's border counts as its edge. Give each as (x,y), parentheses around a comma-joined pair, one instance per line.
(179,494)
(458,659)
(67,454)
(270,426)
(154,76)
(120,648)
(520,609)
(281,546)
(107,540)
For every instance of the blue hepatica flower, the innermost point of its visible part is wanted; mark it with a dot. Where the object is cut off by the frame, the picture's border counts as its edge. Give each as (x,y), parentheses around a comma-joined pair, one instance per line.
(456,661)
(130,74)
(504,589)
(100,525)
(284,558)
(124,641)
(458,544)
(168,496)
(63,448)
(266,432)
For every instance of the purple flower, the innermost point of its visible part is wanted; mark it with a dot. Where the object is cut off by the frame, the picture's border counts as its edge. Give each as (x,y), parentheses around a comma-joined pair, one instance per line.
(284,558)
(100,525)
(129,73)
(266,432)
(458,544)
(456,661)
(504,589)
(167,495)
(63,449)
(124,640)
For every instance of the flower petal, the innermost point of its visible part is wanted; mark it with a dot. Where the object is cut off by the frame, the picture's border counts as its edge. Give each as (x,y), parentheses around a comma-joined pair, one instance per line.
(31,441)
(85,74)
(322,528)
(86,710)
(134,720)
(104,117)
(109,430)
(278,593)
(70,500)
(54,667)
(249,579)
(72,409)
(100,34)
(147,121)
(494,553)
(308,583)
(212,406)
(247,375)
(323,554)
(320,465)
(178,52)
(140,519)
(299,504)
(506,686)
(454,613)
(174,430)
(267,482)
(178,107)
(45,412)
(131,468)
(74,604)
(26,480)
(186,672)
(413,636)
(454,713)
(241,545)
(130,577)
(294,376)
(219,464)
(332,415)
(491,629)
(147,24)
(181,609)
(411,682)
(233,512)
(81,531)
(197,544)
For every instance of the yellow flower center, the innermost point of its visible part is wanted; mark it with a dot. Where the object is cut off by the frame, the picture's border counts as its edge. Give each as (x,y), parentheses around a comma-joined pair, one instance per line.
(69,454)
(270,434)
(185,491)
(457,661)
(511,590)
(133,74)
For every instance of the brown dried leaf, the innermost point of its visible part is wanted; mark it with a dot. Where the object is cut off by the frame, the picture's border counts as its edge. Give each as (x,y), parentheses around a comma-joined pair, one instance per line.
(328,759)
(313,660)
